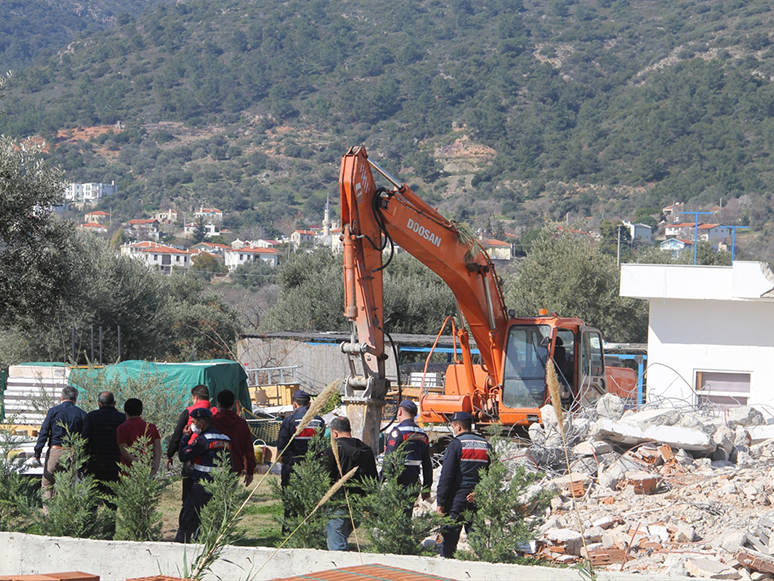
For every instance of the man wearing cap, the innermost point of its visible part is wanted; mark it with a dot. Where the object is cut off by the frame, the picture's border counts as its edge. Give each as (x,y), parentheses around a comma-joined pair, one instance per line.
(417,448)
(300,444)
(200,445)
(466,455)
(200,396)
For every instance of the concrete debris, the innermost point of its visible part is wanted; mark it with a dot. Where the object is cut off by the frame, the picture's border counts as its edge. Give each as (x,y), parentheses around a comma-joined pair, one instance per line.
(710,569)
(610,406)
(663,492)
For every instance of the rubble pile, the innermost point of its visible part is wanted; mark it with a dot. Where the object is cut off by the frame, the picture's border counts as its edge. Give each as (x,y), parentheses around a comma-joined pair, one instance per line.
(666,491)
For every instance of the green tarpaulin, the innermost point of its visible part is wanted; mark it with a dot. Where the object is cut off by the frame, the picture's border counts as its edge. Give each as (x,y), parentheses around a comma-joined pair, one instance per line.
(216,374)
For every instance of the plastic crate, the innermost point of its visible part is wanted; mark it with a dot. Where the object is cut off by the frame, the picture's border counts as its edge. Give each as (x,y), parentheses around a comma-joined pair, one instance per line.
(266,430)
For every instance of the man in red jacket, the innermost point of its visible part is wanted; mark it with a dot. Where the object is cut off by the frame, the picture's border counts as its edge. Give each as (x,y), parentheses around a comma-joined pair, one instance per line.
(236,428)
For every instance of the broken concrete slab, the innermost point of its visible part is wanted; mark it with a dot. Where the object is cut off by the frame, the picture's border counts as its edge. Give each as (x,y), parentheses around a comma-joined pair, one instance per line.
(655,417)
(760,434)
(744,416)
(710,569)
(592,448)
(675,436)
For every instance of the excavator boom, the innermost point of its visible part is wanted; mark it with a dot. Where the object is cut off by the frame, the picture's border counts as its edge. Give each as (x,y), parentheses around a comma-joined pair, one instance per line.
(372,218)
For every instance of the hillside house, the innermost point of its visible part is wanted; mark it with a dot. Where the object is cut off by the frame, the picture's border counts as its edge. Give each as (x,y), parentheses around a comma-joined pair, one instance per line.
(712,233)
(212,248)
(675,246)
(168,217)
(98,217)
(299,237)
(497,249)
(673,213)
(93,227)
(638,231)
(235,258)
(709,336)
(210,230)
(159,257)
(89,193)
(209,214)
(147,228)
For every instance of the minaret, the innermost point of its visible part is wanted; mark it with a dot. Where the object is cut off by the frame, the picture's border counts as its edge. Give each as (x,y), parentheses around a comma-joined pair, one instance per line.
(327,219)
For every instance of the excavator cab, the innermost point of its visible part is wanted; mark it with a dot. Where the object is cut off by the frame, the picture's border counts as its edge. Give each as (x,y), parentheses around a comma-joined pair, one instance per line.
(524,378)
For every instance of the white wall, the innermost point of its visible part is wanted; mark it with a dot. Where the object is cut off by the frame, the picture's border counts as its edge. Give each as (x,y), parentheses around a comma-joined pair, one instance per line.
(706,318)
(685,336)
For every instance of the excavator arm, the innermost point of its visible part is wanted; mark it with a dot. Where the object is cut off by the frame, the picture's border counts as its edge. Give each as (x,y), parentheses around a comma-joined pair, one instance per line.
(372,218)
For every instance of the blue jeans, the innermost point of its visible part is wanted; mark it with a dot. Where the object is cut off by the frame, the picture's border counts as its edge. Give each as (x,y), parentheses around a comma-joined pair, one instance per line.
(338,530)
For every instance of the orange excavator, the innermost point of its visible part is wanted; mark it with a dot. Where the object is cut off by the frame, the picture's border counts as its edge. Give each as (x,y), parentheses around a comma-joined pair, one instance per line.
(508,386)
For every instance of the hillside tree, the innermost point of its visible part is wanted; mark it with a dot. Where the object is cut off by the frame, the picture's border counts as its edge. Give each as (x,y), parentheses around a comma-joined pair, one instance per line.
(567,273)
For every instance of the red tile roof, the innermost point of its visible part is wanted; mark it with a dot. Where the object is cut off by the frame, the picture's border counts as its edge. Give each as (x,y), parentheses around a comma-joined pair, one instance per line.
(492,242)
(373,572)
(254,250)
(91,225)
(165,250)
(144,221)
(98,213)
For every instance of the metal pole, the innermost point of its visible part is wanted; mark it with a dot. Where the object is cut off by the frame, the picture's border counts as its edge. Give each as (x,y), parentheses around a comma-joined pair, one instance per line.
(92,344)
(100,344)
(618,252)
(119,343)
(696,233)
(72,339)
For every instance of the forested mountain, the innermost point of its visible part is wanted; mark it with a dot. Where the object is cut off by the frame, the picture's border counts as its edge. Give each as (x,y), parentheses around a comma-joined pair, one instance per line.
(507,109)
(29,28)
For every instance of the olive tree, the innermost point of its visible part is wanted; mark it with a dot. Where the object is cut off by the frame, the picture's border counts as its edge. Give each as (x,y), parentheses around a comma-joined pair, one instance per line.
(567,273)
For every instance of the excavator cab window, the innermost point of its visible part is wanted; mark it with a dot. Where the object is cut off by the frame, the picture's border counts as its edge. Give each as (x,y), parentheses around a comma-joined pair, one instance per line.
(564,357)
(525,366)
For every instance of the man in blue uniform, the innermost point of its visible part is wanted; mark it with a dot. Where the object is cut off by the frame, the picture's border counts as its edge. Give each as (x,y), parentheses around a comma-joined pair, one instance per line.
(300,444)
(59,420)
(200,446)
(467,454)
(417,448)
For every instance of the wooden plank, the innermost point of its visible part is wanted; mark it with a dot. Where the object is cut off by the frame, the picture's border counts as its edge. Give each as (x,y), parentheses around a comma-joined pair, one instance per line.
(755,560)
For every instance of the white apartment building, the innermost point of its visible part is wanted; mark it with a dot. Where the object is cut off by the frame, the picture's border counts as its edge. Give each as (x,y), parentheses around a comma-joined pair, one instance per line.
(89,193)
(238,257)
(159,257)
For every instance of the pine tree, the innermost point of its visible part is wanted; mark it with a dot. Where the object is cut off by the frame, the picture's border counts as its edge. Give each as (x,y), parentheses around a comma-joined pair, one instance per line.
(308,484)
(503,517)
(74,509)
(137,497)
(387,511)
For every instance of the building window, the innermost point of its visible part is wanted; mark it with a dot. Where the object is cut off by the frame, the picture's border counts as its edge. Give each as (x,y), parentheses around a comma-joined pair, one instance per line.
(155,257)
(723,389)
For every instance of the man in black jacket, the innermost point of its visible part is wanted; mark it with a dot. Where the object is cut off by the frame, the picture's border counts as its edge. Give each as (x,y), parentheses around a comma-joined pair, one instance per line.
(59,420)
(352,453)
(300,444)
(465,457)
(99,428)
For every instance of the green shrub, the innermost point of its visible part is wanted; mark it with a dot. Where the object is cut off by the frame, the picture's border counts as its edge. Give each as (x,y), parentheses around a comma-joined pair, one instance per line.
(308,484)
(74,509)
(505,516)
(387,512)
(137,497)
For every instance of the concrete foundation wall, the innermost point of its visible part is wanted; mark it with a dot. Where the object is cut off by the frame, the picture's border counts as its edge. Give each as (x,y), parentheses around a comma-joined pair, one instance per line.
(118,560)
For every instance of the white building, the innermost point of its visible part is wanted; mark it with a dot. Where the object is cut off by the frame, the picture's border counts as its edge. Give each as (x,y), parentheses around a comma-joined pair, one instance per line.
(713,233)
(238,257)
(497,249)
(89,193)
(210,230)
(211,214)
(709,332)
(299,237)
(643,232)
(159,257)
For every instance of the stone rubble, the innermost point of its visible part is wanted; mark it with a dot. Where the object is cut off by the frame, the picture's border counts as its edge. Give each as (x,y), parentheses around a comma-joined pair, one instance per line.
(664,492)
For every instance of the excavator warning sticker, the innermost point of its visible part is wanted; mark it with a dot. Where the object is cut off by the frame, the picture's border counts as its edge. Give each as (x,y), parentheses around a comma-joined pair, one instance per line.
(424,233)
